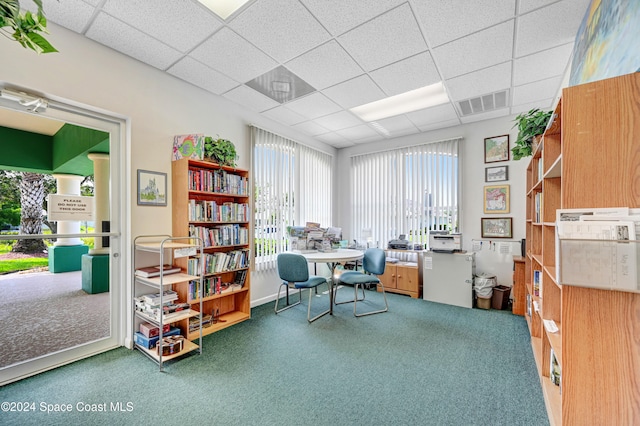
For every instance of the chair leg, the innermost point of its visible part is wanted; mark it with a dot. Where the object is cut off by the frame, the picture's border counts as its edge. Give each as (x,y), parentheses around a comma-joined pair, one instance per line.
(309,309)
(355,297)
(355,304)
(287,306)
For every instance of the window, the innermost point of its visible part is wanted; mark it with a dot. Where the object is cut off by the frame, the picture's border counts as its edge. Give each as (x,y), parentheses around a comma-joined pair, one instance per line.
(405,191)
(293,185)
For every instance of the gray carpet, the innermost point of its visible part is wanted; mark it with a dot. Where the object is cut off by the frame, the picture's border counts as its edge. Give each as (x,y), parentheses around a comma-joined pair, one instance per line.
(43,313)
(421,363)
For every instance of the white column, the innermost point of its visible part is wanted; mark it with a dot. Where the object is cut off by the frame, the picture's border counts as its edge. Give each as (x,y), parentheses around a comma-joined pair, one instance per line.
(101,197)
(68,185)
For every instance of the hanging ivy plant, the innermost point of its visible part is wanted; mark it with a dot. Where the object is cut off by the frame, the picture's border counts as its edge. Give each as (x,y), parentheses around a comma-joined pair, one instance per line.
(222,151)
(25,28)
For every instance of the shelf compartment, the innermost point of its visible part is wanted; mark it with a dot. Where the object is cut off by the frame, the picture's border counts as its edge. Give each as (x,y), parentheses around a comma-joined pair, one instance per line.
(218,296)
(187,313)
(188,346)
(170,279)
(230,318)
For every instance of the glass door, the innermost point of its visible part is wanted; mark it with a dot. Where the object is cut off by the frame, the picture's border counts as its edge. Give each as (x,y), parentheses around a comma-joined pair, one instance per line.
(69,304)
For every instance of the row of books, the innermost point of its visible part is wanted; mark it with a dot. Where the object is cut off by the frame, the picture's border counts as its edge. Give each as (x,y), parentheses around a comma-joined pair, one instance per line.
(537,201)
(218,181)
(169,309)
(225,235)
(219,262)
(214,285)
(537,282)
(210,211)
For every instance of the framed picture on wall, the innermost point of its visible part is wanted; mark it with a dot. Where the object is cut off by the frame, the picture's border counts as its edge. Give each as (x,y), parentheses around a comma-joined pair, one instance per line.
(152,188)
(496,199)
(496,227)
(496,148)
(496,174)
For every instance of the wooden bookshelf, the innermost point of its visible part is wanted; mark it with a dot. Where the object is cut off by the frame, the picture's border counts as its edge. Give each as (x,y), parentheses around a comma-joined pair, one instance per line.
(196,185)
(590,159)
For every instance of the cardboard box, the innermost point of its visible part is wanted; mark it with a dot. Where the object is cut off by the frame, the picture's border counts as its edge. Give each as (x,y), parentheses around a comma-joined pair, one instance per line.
(151,342)
(150,330)
(483,302)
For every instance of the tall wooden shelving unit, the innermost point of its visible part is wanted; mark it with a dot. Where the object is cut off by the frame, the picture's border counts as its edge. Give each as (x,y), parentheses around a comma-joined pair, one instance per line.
(589,157)
(228,187)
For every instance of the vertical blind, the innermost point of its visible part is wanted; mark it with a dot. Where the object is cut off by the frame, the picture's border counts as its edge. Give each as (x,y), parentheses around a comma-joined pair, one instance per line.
(292,186)
(405,191)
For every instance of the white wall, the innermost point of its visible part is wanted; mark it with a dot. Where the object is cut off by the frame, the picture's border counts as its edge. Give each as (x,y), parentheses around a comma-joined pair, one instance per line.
(473,173)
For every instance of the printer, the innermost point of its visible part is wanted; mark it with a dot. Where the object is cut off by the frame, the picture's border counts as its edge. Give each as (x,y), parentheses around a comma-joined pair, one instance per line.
(442,242)
(399,244)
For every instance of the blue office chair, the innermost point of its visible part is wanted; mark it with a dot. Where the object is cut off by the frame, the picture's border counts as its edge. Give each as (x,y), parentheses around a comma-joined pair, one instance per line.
(373,264)
(293,270)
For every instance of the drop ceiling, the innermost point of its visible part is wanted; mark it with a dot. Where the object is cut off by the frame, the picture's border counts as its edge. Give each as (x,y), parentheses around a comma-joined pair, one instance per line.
(510,54)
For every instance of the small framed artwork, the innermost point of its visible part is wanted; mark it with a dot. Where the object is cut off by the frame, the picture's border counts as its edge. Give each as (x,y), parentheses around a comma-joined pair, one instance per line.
(496,227)
(496,174)
(152,188)
(496,148)
(496,199)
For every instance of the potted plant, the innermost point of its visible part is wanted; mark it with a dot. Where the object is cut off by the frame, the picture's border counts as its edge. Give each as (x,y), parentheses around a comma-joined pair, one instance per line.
(25,28)
(530,125)
(222,151)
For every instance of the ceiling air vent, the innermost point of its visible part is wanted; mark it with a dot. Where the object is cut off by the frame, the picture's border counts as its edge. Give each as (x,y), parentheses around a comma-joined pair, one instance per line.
(483,103)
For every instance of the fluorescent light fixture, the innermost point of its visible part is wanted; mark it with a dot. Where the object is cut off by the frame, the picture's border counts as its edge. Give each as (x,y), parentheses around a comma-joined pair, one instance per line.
(412,100)
(223,8)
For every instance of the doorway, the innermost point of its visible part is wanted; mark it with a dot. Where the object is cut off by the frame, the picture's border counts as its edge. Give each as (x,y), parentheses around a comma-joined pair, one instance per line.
(70,304)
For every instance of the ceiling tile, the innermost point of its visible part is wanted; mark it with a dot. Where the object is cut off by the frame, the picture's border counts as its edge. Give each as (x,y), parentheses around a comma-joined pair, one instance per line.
(480,50)
(284,115)
(232,55)
(529,5)
(358,91)
(359,133)
(468,16)
(251,99)
(550,26)
(325,65)
(528,68)
(194,72)
(310,128)
(269,25)
(339,16)
(485,116)
(338,121)
(386,39)
(313,106)
(433,115)
(180,24)
(121,37)
(439,125)
(416,71)
(537,91)
(488,80)
(71,14)
(398,126)
(335,140)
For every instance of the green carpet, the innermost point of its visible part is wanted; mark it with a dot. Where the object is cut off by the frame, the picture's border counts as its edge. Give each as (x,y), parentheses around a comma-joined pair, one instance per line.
(422,363)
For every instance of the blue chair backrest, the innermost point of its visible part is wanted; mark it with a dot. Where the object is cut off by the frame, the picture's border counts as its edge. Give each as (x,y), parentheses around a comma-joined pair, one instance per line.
(374,261)
(293,267)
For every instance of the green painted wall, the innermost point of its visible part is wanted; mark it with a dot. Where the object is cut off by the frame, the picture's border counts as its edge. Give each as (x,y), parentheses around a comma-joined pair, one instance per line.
(25,151)
(64,152)
(71,144)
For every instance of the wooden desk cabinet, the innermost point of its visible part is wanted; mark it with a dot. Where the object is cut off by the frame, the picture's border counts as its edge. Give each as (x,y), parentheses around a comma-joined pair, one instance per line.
(401,278)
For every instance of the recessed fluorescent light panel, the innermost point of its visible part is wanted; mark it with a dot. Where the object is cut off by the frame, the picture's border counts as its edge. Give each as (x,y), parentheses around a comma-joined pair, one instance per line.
(223,8)
(413,100)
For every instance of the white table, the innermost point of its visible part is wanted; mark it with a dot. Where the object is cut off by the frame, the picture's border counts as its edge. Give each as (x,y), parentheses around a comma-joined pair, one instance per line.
(332,259)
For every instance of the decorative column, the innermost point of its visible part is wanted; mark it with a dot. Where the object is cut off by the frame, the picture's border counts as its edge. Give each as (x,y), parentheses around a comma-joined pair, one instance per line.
(66,253)
(101,196)
(95,265)
(68,185)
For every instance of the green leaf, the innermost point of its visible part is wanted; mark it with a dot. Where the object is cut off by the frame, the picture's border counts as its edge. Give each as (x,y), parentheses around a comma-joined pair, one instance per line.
(43,45)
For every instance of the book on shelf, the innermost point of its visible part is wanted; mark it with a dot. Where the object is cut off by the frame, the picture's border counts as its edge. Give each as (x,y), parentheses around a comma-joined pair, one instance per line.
(555,373)
(154,299)
(240,277)
(154,271)
(537,282)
